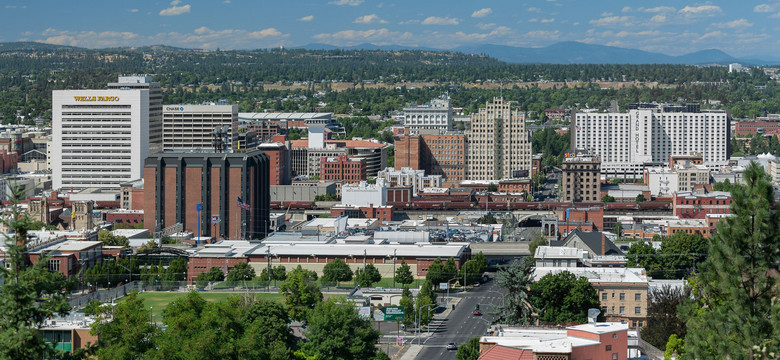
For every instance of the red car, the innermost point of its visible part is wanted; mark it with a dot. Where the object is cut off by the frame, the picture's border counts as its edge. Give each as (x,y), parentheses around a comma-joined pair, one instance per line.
(477,313)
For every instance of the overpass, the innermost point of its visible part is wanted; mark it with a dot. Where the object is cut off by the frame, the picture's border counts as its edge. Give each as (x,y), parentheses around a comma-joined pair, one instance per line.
(501,252)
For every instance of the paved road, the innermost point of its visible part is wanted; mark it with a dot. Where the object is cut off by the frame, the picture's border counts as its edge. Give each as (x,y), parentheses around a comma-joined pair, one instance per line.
(461,325)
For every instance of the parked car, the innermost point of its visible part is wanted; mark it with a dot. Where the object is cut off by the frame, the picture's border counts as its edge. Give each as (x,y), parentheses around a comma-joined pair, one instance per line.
(477,313)
(452,346)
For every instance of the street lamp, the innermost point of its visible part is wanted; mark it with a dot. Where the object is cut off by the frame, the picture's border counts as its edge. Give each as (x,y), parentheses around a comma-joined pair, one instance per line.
(419,319)
(448,288)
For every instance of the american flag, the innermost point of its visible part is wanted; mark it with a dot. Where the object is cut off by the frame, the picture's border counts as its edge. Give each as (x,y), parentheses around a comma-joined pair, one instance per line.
(242,204)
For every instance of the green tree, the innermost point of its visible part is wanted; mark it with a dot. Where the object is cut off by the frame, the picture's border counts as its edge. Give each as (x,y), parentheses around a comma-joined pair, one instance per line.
(241,271)
(109,239)
(129,334)
(407,301)
(301,293)
(724,185)
(538,240)
(682,254)
(403,275)
(425,304)
(563,298)
(267,334)
(675,348)
(662,315)
(607,199)
(335,331)
(642,254)
(368,277)
(213,275)
(469,350)
(487,219)
(492,187)
(279,273)
(450,269)
(640,199)
(736,313)
(336,270)
(436,272)
(516,309)
(29,294)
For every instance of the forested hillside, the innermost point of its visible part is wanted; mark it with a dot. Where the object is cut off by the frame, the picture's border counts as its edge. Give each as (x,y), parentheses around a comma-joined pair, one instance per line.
(29,72)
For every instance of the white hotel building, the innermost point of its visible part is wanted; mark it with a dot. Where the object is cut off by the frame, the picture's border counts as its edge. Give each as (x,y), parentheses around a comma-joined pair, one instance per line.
(100,138)
(628,141)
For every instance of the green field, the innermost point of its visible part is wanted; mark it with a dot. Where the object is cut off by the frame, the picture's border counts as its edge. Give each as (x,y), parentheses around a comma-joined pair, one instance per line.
(158,300)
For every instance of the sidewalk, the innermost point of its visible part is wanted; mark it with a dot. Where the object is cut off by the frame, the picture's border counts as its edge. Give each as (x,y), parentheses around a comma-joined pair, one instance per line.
(412,352)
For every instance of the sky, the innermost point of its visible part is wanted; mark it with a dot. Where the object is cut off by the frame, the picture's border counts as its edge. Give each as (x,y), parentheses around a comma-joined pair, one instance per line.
(740,28)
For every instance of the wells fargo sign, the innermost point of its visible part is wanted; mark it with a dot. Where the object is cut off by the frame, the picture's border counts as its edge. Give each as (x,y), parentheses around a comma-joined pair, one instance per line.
(96,98)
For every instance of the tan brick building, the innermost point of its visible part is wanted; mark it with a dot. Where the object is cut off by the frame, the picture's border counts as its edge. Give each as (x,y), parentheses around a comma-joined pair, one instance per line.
(499,147)
(443,155)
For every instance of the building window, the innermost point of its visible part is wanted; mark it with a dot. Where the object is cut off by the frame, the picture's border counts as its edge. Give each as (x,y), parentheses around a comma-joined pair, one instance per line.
(622,296)
(622,309)
(638,296)
(53,265)
(637,310)
(609,348)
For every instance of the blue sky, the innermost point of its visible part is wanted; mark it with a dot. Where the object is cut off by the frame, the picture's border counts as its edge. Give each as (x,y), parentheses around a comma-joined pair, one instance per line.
(672,27)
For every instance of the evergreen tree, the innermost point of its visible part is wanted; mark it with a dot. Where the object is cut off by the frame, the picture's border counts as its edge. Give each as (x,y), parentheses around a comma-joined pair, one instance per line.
(469,350)
(241,271)
(517,309)
(403,275)
(368,277)
(736,313)
(336,270)
(128,334)
(407,301)
(300,292)
(436,272)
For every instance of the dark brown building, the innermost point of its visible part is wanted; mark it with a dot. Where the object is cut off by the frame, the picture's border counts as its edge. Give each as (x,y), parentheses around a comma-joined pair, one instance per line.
(581,180)
(174,182)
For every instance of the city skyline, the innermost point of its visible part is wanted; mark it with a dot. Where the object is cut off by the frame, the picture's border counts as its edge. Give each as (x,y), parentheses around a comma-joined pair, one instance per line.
(672,28)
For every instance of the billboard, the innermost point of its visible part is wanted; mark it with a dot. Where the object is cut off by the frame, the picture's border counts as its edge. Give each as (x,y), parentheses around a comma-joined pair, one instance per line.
(394,313)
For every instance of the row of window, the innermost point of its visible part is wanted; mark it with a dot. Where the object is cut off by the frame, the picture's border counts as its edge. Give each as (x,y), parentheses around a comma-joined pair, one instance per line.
(622,296)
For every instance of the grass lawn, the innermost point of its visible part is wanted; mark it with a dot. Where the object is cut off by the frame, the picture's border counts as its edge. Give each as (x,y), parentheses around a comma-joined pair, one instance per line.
(158,300)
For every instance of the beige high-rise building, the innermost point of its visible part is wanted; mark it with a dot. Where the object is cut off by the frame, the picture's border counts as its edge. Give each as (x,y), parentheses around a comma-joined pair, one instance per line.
(499,147)
(155,105)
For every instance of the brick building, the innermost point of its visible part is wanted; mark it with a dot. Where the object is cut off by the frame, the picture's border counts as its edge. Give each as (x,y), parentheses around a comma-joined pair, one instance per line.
(279,167)
(342,168)
(176,181)
(443,155)
(383,213)
(66,256)
(132,195)
(581,179)
(687,205)
(750,128)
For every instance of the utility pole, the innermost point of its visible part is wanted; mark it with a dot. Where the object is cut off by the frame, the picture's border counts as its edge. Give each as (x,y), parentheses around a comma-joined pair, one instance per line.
(394,251)
(268,257)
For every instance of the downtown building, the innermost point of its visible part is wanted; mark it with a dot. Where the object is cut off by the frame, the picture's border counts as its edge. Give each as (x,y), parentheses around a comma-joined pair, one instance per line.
(435,115)
(100,138)
(499,146)
(133,82)
(192,126)
(438,155)
(176,181)
(650,134)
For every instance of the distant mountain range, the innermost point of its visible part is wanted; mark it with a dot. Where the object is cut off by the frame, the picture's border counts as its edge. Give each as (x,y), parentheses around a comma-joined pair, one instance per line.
(572,52)
(569,52)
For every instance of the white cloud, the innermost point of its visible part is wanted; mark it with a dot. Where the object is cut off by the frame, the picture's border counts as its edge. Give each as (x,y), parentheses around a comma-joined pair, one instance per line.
(10,6)
(606,14)
(545,21)
(701,11)
(764,8)
(346,2)
(736,24)
(533,20)
(660,18)
(612,21)
(175,10)
(134,10)
(461,37)
(413,21)
(575,23)
(482,13)
(658,9)
(202,37)
(369,19)
(487,26)
(543,35)
(626,9)
(262,34)
(713,34)
(435,20)
(307,18)
(624,33)
(226,2)
(377,36)
(534,9)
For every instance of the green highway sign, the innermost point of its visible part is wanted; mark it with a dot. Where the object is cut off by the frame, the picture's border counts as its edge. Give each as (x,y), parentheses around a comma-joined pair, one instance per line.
(394,313)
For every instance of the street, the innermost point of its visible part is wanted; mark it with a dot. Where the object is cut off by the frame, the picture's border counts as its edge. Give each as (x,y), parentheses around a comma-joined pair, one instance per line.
(461,325)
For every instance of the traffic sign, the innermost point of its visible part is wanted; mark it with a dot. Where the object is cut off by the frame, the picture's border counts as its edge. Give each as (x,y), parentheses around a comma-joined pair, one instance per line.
(443,286)
(394,313)
(215,219)
(400,340)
